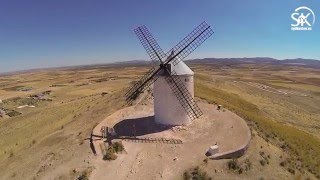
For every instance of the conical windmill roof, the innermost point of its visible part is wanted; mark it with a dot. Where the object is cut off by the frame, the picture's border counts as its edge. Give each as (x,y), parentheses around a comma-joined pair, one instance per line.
(182,69)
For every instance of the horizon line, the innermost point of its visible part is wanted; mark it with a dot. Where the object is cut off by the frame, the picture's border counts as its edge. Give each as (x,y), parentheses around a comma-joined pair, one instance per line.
(124,61)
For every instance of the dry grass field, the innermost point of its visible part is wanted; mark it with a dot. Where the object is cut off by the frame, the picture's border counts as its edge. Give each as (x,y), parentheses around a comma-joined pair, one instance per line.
(49,141)
(280,102)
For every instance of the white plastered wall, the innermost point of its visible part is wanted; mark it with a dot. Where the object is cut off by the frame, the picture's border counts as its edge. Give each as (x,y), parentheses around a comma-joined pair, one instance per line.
(167,108)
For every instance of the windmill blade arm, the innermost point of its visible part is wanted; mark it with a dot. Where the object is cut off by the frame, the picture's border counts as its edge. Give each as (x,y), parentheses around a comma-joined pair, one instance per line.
(143,83)
(184,96)
(150,45)
(189,43)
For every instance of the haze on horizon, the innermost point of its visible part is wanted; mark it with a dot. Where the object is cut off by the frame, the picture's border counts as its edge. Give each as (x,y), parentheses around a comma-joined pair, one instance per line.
(40,34)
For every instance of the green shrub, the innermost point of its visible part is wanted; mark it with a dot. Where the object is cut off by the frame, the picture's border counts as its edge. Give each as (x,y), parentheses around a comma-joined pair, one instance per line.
(233,164)
(262,162)
(206,161)
(186,175)
(239,167)
(83,176)
(112,150)
(248,165)
(196,174)
(118,147)
(292,171)
(13,113)
(104,93)
(11,154)
(110,155)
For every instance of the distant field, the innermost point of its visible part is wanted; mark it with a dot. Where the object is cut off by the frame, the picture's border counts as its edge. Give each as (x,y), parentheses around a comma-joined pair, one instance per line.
(298,86)
(280,103)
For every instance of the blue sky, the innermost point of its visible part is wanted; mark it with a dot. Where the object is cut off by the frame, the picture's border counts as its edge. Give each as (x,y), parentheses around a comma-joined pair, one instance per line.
(47,33)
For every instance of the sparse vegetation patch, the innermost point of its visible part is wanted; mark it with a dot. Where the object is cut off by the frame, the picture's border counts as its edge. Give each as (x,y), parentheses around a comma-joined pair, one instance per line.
(111,151)
(239,167)
(196,174)
(10,112)
(18,88)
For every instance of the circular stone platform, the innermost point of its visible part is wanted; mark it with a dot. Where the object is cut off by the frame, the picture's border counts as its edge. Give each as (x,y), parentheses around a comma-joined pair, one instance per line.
(161,152)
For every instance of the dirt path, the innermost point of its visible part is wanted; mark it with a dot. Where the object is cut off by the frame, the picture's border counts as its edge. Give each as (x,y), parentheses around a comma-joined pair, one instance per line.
(271,89)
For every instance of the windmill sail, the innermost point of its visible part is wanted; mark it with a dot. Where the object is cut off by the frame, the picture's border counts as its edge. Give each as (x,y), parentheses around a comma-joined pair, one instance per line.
(157,56)
(183,95)
(150,44)
(190,43)
(144,82)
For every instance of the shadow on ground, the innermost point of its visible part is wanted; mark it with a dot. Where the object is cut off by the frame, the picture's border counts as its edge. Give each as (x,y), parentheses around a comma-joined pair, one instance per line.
(138,127)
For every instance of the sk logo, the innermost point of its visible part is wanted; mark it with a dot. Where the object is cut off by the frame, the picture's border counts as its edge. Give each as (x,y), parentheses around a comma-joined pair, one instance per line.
(304,18)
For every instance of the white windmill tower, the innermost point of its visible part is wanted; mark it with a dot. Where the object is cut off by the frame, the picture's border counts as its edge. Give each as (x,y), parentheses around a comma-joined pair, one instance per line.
(173,80)
(163,112)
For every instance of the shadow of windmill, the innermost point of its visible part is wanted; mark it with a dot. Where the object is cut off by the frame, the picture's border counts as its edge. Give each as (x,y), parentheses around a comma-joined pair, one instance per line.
(137,129)
(93,149)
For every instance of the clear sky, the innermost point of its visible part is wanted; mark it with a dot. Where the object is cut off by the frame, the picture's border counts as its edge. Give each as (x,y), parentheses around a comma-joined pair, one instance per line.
(47,33)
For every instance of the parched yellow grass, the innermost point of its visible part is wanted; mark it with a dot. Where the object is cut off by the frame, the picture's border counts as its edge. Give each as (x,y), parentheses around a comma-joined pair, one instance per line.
(303,145)
(297,86)
(20,131)
(84,92)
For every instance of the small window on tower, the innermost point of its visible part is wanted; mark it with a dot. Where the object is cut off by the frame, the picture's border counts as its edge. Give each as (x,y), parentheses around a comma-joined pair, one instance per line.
(186,80)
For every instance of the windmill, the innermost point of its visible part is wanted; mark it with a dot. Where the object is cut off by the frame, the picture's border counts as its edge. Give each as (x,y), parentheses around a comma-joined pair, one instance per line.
(174,102)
